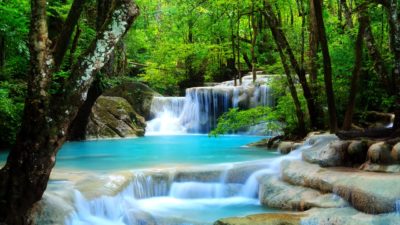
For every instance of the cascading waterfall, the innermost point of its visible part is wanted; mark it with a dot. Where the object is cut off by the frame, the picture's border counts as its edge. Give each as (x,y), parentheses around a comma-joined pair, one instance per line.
(199,110)
(147,195)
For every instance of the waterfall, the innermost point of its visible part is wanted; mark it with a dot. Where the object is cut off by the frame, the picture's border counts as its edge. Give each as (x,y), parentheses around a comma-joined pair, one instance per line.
(201,107)
(398,207)
(152,195)
(272,168)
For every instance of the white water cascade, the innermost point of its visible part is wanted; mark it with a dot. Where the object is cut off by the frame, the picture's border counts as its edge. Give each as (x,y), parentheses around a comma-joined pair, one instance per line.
(150,197)
(199,110)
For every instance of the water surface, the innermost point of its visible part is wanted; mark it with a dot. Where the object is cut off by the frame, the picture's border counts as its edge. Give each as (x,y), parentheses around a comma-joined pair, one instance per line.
(158,151)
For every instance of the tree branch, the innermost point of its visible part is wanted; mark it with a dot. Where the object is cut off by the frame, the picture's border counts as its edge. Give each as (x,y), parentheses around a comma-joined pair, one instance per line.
(63,40)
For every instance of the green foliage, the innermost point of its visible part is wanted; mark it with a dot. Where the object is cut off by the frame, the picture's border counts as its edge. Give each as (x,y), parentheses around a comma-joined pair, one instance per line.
(235,120)
(14,24)
(11,106)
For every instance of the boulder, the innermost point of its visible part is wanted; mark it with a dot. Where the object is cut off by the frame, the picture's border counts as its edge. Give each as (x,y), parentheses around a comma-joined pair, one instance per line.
(137,94)
(357,147)
(372,167)
(373,119)
(380,153)
(114,117)
(368,192)
(264,219)
(314,216)
(285,147)
(395,153)
(331,154)
(275,193)
(357,151)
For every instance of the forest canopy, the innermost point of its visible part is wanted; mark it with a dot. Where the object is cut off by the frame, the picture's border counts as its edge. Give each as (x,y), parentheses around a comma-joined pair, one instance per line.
(179,44)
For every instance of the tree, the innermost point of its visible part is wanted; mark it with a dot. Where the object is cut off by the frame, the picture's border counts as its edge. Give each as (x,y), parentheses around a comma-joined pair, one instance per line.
(282,43)
(319,21)
(356,72)
(48,113)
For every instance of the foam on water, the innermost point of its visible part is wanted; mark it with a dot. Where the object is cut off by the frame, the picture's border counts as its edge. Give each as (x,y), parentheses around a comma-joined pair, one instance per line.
(273,168)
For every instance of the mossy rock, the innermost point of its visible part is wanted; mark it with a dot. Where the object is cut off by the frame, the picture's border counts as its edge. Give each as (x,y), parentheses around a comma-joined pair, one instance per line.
(114,117)
(137,94)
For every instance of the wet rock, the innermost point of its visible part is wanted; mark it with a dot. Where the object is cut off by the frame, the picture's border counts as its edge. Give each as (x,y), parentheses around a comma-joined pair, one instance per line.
(373,119)
(331,154)
(137,94)
(395,153)
(346,216)
(357,147)
(380,153)
(368,192)
(114,117)
(275,193)
(315,216)
(357,151)
(53,209)
(264,219)
(285,147)
(371,167)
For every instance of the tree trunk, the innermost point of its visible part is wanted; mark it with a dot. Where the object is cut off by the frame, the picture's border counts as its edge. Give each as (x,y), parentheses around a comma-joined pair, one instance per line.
(78,127)
(281,42)
(348,118)
(74,46)
(253,42)
(293,93)
(313,44)
(347,14)
(327,64)
(47,117)
(373,51)
(238,45)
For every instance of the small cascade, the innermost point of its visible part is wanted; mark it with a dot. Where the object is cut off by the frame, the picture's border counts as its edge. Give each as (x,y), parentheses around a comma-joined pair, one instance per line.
(273,168)
(147,186)
(152,195)
(398,207)
(198,190)
(105,210)
(199,110)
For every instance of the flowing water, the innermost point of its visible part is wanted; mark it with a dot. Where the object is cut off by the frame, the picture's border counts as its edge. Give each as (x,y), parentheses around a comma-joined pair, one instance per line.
(193,179)
(170,179)
(199,110)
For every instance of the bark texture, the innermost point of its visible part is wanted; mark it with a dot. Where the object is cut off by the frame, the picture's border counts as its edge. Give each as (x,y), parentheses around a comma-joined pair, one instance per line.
(327,63)
(348,118)
(47,117)
(282,45)
(281,42)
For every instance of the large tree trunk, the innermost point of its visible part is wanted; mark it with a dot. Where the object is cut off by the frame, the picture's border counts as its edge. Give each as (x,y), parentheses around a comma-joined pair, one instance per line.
(281,42)
(316,5)
(78,126)
(47,117)
(348,118)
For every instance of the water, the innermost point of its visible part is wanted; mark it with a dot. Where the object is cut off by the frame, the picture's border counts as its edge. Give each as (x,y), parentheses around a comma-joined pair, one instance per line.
(158,151)
(200,109)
